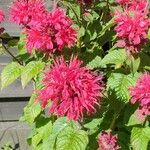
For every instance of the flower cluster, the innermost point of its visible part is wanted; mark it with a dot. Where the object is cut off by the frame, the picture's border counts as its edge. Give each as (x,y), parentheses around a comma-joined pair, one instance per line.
(25,11)
(1,16)
(141,93)
(123,2)
(72,89)
(132,26)
(46,31)
(107,141)
(1,19)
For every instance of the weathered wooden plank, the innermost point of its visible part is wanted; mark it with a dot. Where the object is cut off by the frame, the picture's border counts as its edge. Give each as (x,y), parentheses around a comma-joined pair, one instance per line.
(12,109)
(15,134)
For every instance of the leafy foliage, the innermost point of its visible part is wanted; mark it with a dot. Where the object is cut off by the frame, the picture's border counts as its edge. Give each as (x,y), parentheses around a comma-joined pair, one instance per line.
(31,70)
(97,46)
(10,73)
(140,138)
(119,84)
(31,111)
(116,57)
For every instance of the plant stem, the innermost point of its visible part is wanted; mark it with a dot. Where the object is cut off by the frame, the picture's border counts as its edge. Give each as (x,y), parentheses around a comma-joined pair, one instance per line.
(6,49)
(113,121)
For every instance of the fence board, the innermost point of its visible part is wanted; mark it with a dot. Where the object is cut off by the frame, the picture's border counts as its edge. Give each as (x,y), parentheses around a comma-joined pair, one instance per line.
(15,134)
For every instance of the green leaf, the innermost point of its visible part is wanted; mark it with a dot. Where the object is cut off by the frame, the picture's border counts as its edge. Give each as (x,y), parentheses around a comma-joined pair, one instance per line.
(71,139)
(31,111)
(10,73)
(133,63)
(136,118)
(140,138)
(42,133)
(93,126)
(60,124)
(114,57)
(107,27)
(119,84)
(95,63)
(81,32)
(66,135)
(13,43)
(22,44)
(148,35)
(31,70)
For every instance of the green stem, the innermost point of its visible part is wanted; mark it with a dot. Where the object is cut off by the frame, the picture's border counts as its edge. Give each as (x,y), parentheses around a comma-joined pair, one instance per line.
(7,50)
(70,7)
(113,121)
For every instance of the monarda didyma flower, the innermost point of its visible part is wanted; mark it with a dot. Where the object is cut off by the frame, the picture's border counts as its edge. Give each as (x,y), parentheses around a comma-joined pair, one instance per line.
(1,16)
(141,93)
(73,90)
(131,28)
(107,141)
(22,12)
(53,32)
(46,31)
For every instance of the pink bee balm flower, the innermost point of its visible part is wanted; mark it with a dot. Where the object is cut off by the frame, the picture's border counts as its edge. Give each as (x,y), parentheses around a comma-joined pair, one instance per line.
(141,93)
(138,5)
(53,32)
(123,2)
(107,141)
(131,28)
(24,11)
(1,16)
(72,89)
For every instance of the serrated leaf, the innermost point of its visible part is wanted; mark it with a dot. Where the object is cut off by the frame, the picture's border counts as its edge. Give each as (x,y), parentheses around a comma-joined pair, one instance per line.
(72,139)
(10,73)
(140,138)
(22,44)
(136,118)
(95,63)
(31,70)
(59,125)
(148,35)
(114,57)
(120,83)
(81,32)
(42,133)
(107,27)
(93,126)
(31,111)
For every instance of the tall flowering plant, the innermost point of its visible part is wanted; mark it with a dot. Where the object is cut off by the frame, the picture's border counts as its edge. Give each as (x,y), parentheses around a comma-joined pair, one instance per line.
(89,63)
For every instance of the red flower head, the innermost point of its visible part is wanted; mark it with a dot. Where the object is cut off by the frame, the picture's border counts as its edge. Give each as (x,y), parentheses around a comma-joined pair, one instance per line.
(131,28)
(1,16)
(72,89)
(122,2)
(107,141)
(141,93)
(139,5)
(1,19)
(53,32)
(24,11)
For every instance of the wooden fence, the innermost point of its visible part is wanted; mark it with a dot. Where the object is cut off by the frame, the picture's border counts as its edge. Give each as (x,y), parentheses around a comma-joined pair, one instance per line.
(13,98)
